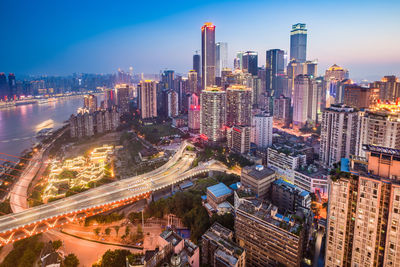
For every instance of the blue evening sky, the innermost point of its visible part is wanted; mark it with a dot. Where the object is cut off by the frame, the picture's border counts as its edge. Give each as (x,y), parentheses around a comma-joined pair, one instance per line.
(61,37)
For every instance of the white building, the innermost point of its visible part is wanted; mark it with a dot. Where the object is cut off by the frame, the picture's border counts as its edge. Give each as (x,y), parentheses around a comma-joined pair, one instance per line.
(300,100)
(262,130)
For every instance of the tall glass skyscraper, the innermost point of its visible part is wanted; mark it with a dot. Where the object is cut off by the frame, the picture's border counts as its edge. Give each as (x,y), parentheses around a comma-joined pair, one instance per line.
(197,64)
(208,54)
(275,68)
(298,42)
(250,62)
(221,54)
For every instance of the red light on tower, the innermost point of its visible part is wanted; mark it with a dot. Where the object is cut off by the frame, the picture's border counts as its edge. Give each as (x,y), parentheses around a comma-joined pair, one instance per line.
(208,25)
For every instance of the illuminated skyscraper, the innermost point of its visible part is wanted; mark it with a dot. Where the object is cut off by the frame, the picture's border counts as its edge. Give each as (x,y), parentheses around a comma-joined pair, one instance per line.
(250,62)
(12,85)
(300,100)
(238,105)
(173,104)
(221,54)
(3,86)
(148,99)
(389,88)
(213,114)
(208,54)
(275,69)
(193,81)
(197,64)
(298,42)
(123,97)
(333,77)
(90,103)
(194,113)
(168,78)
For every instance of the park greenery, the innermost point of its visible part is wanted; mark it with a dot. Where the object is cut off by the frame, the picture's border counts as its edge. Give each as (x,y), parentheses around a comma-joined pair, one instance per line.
(104,218)
(25,253)
(219,153)
(117,258)
(70,261)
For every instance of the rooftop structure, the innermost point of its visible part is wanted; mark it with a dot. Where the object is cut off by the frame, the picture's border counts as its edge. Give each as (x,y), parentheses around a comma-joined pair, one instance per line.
(258,178)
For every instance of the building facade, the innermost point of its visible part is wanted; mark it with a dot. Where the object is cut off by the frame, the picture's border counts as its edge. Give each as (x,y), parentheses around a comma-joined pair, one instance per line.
(148,99)
(262,126)
(238,105)
(298,42)
(208,54)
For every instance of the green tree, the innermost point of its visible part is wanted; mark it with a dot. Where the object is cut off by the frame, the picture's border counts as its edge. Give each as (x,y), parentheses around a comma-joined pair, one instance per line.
(96,231)
(71,261)
(116,228)
(107,231)
(56,244)
(116,258)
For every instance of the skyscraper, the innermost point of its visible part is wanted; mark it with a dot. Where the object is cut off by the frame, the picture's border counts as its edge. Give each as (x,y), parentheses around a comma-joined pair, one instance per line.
(197,64)
(193,81)
(194,113)
(298,42)
(12,85)
(239,61)
(333,77)
(168,78)
(221,55)
(389,88)
(123,97)
(238,105)
(208,54)
(282,110)
(275,70)
(3,86)
(339,131)
(148,99)
(90,103)
(250,62)
(213,114)
(363,213)
(300,100)
(173,104)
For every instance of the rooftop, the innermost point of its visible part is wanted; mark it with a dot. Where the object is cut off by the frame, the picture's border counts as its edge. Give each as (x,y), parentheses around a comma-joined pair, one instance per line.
(219,190)
(171,237)
(383,150)
(314,171)
(291,187)
(257,172)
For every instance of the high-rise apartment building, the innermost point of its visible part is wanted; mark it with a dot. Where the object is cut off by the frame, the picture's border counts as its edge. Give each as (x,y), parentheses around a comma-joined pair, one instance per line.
(379,126)
(147,99)
(268,237)
(208,54)
(360,97)
(213,114)
(282,110)
(389,88)
(194,113)
(298,42)
(262,130)
(173,110)
(302,84)
(221,57)
(363,213)
(238,105)
(275,69)
(193,81)
(238,139)
(90,103)
(339,132)
(250,62)
(123,97)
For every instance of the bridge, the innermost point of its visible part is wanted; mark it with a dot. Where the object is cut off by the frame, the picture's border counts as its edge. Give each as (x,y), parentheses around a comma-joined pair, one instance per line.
(42,218)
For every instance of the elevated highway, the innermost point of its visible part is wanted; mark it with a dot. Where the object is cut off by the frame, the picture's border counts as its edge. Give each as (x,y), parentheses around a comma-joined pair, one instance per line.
(39,219)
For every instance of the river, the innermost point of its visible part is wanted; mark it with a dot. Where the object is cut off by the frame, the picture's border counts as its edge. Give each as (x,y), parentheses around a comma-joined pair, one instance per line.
(19,125)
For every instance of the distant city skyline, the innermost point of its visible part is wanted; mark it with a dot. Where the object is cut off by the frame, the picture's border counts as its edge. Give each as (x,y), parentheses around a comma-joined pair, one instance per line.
(41,38)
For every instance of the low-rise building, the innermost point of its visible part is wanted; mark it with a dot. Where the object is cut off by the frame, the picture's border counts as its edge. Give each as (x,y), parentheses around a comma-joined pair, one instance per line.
(218,248)
(312,178)
(258,178)
(216,198)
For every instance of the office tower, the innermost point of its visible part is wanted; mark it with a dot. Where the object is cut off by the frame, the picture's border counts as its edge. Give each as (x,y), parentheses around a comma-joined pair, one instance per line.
(172,104)
(194,114)
(238,105)
(236,63)
(275,69)
(12,84)
(255,84)
(208,54)
(300,100)
(311,68)
(239,56)
(193,81)
(90,103)
(282,110)
(109,98)
(221,57)
(250,62)
(294,69)
(389,88)
(379,126)
(3,86)
(238,139)
(268,237)
(339,131)
(262,74)
(168,79)
(258,178)
(218,248)
(262,130)
(298,42)
(122,92)
(148,99)
(314,100)
(334,76)
(213,114)
(197,64)
(363,213)
(360,97)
